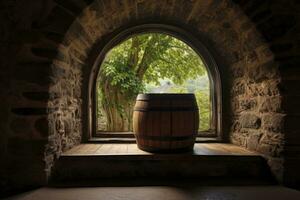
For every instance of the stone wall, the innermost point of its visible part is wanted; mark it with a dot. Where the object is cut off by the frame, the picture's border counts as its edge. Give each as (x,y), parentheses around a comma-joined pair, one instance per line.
(23,77)
(246,63)
(37,121)
(278,135)
(257,114)
(48,47)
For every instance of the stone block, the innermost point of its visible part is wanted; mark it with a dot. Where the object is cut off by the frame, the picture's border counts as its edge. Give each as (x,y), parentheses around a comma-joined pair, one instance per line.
(250,121)
(271,87)
(256,41)
(238,70)
(235,105)
(270,104)
(78,33)
(253,141)
(62,56)
(251,58)
(273,122)
(248,104)
(239,88)
(58,72)
(275,139)
(265,88)
(259,73)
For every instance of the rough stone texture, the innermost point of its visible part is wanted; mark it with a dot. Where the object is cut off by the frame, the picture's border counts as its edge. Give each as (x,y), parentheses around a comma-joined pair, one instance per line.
(44,50)
(255,98)
(275,88)
(250,121)
(240,48)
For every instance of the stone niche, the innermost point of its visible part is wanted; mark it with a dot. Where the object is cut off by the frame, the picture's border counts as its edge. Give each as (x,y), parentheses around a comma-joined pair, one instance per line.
(48,47)
(249,73)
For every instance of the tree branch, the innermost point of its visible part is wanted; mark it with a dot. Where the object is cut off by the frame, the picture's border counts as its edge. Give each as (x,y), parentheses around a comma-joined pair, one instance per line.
(134,53)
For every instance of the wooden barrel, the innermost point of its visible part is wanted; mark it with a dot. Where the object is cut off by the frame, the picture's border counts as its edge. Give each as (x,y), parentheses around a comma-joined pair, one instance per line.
(165,122)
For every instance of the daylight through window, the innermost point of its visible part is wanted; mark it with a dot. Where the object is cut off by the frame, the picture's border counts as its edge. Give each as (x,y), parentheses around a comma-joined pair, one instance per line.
(149,63)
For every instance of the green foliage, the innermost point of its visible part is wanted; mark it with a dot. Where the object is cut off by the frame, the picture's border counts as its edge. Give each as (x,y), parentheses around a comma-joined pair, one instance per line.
(116,70)
(141,62)
(166,57)
(178,63)
(123,77)
(204,105)
(203,102)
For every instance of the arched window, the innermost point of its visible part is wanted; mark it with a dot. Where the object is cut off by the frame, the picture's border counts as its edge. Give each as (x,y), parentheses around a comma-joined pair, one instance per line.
(153,60)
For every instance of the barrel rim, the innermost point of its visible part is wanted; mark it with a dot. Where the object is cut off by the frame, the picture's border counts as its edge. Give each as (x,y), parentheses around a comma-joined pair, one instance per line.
(151,149)
(171,96)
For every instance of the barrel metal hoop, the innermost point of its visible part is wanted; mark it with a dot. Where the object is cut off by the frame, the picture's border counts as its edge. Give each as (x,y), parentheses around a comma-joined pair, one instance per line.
(165,150)
(166,109)
(165,138)
(165,97)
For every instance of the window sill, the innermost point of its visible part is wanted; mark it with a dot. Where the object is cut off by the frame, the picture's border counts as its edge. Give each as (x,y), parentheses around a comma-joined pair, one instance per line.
(128,137)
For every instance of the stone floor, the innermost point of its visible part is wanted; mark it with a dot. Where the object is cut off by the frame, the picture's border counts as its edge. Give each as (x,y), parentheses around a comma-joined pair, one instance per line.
(163,193)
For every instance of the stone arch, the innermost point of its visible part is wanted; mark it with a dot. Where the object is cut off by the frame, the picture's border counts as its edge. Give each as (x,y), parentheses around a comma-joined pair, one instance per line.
(174,31)
(36,53)
(248,70)
(59,37)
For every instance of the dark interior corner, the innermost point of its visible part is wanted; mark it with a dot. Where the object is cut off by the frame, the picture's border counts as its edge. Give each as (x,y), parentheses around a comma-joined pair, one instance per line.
(48,53)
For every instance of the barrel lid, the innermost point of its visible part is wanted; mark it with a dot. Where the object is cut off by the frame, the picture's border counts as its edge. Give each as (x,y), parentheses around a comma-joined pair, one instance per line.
(171,96)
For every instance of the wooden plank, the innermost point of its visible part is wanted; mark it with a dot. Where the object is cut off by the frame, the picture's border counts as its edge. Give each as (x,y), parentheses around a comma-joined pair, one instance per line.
(134,150)
(99,150)
(199,149)
(156,128)
(90,148)
(215,150)
(219,148)
(131,148)
(114,149)
(233,149)
(105,149)
(118,149)
(149,127)
(74,149)
(122,149)
(141,126)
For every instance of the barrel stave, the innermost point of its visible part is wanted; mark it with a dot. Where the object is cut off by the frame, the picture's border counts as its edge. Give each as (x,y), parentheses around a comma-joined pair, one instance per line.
(165,122)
